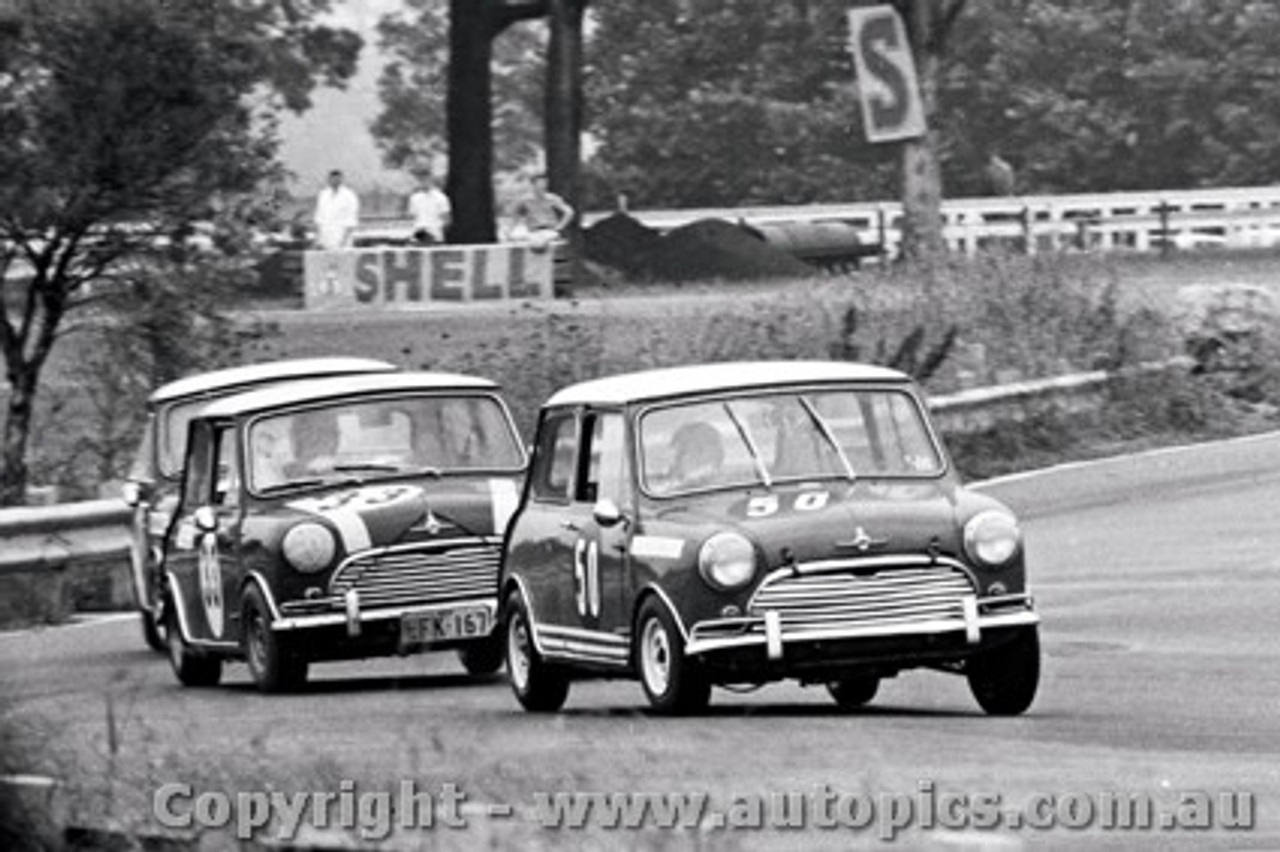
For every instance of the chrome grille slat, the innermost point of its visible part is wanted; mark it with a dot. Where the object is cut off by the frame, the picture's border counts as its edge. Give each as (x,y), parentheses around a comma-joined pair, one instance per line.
(847,598)
(420,575)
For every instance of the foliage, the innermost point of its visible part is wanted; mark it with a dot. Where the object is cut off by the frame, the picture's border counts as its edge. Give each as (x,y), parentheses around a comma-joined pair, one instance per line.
(410,130)
(123,122)
(730,102)
(737,103)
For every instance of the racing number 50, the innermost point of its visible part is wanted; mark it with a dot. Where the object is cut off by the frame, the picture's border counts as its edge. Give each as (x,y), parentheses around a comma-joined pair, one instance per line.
(586,577)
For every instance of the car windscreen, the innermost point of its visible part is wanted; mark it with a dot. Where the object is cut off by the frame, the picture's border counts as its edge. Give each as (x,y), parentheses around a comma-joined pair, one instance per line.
(392,436)
(778,436)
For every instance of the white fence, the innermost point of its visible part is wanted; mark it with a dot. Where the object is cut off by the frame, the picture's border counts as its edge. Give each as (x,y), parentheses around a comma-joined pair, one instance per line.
(1243,217)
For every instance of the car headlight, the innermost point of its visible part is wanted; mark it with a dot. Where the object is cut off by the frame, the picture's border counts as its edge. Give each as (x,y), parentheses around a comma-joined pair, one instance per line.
(992,538)
(309,547)
(727,560)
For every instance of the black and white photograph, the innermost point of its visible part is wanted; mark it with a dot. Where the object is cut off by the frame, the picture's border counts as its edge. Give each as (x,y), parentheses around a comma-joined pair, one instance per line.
(710,425)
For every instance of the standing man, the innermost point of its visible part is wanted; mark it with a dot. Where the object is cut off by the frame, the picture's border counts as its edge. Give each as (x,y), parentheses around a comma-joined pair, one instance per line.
(541,215)
(337,214)
(431,211)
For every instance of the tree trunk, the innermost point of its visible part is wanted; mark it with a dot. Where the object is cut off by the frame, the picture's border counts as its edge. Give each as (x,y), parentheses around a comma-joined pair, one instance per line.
(922,238)
(17,431)
(563,106)
(921,172)
(468,115)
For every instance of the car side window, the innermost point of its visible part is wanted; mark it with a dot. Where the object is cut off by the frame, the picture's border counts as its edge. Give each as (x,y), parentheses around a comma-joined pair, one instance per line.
(198,487)
(603,473)
(555,454)
(226,490)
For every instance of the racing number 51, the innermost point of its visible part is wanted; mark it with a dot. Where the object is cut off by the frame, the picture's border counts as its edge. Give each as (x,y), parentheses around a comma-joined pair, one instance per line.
(586,577)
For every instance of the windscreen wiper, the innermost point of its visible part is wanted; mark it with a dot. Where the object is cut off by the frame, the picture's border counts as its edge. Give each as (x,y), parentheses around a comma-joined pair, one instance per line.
(825,429)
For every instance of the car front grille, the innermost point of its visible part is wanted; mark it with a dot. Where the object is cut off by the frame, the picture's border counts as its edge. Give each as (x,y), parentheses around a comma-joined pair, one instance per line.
(851,597)
(420,574)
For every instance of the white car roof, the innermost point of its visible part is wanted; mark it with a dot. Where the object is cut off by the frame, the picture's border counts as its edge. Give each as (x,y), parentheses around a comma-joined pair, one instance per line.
(713,378)
(309,390)
(271,371)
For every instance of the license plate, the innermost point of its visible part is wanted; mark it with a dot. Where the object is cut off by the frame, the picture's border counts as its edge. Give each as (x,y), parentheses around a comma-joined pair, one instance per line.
(442,625)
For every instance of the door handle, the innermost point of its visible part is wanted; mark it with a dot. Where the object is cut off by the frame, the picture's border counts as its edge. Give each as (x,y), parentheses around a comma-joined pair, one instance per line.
(571,526)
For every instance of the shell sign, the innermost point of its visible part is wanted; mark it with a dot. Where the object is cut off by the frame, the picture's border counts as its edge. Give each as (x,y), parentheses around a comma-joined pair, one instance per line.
(407,278)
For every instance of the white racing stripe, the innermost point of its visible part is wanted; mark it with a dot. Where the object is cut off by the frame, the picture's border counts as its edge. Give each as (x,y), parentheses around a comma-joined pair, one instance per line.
(351,526)
(657,547)
(504,498)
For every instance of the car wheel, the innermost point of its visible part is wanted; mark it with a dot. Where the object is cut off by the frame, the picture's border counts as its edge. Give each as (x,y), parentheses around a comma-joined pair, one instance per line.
(854,691)
(1004,679)
(673,682)
(191,667)
(275,667)
(483,657)
(539,687)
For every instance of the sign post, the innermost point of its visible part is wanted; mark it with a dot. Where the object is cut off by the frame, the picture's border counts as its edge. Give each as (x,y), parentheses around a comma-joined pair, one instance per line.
(890,96)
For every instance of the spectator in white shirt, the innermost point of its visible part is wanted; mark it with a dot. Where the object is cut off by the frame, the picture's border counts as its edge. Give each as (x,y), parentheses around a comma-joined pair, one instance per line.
(431,211)
(337,214)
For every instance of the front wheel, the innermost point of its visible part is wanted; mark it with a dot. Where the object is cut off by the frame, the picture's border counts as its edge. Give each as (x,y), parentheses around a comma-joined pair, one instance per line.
(482,657)
(673,683)
(190,667)
(275,667)
(853,692)
(539,687)
(1004,679)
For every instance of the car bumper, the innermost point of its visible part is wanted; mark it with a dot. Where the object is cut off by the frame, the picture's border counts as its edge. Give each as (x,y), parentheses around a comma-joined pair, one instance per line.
(768,638)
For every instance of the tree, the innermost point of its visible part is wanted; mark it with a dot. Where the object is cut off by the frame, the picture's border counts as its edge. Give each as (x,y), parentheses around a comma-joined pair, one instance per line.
(125,121)
(473,27)
(929,25)
(410,128)
(727,102)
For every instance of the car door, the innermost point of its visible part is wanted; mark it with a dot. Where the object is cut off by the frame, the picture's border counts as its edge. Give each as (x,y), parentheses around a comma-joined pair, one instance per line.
(602,500)
(202,554)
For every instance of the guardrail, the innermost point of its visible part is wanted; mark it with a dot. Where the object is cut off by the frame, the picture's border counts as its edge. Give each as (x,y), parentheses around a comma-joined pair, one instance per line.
(62,540)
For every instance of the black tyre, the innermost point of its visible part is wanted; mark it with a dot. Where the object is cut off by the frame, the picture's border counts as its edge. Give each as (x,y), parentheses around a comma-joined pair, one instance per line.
(539,687)
(274,665)
(483,657)
(673,683)
(854,691)
(190,666)
(1004,680)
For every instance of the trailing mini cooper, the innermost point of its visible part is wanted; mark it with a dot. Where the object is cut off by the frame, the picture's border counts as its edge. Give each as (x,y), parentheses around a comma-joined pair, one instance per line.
(341,518)
(152,486)
(735,524)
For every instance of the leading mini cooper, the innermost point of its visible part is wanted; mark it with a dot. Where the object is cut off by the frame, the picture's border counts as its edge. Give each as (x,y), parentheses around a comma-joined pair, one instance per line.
(152,486)
(735,524)
(337,519)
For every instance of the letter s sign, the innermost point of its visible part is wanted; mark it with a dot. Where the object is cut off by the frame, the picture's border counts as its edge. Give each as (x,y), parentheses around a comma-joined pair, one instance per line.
(891,108)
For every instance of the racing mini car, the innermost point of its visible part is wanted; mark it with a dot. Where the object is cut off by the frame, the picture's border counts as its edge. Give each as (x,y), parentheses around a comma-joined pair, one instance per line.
(152,486)
(736,524)
(341,518)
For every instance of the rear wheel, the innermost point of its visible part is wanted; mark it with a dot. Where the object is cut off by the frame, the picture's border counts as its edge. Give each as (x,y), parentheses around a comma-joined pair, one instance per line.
(191,667)
(854,691)
(539,687)
(483,657)
(672,682)
(274,665)
(1004,680)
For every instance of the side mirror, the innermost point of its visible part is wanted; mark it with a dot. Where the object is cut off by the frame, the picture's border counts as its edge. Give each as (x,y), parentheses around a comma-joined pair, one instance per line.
(206,519)
(132,493)
(607,513)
